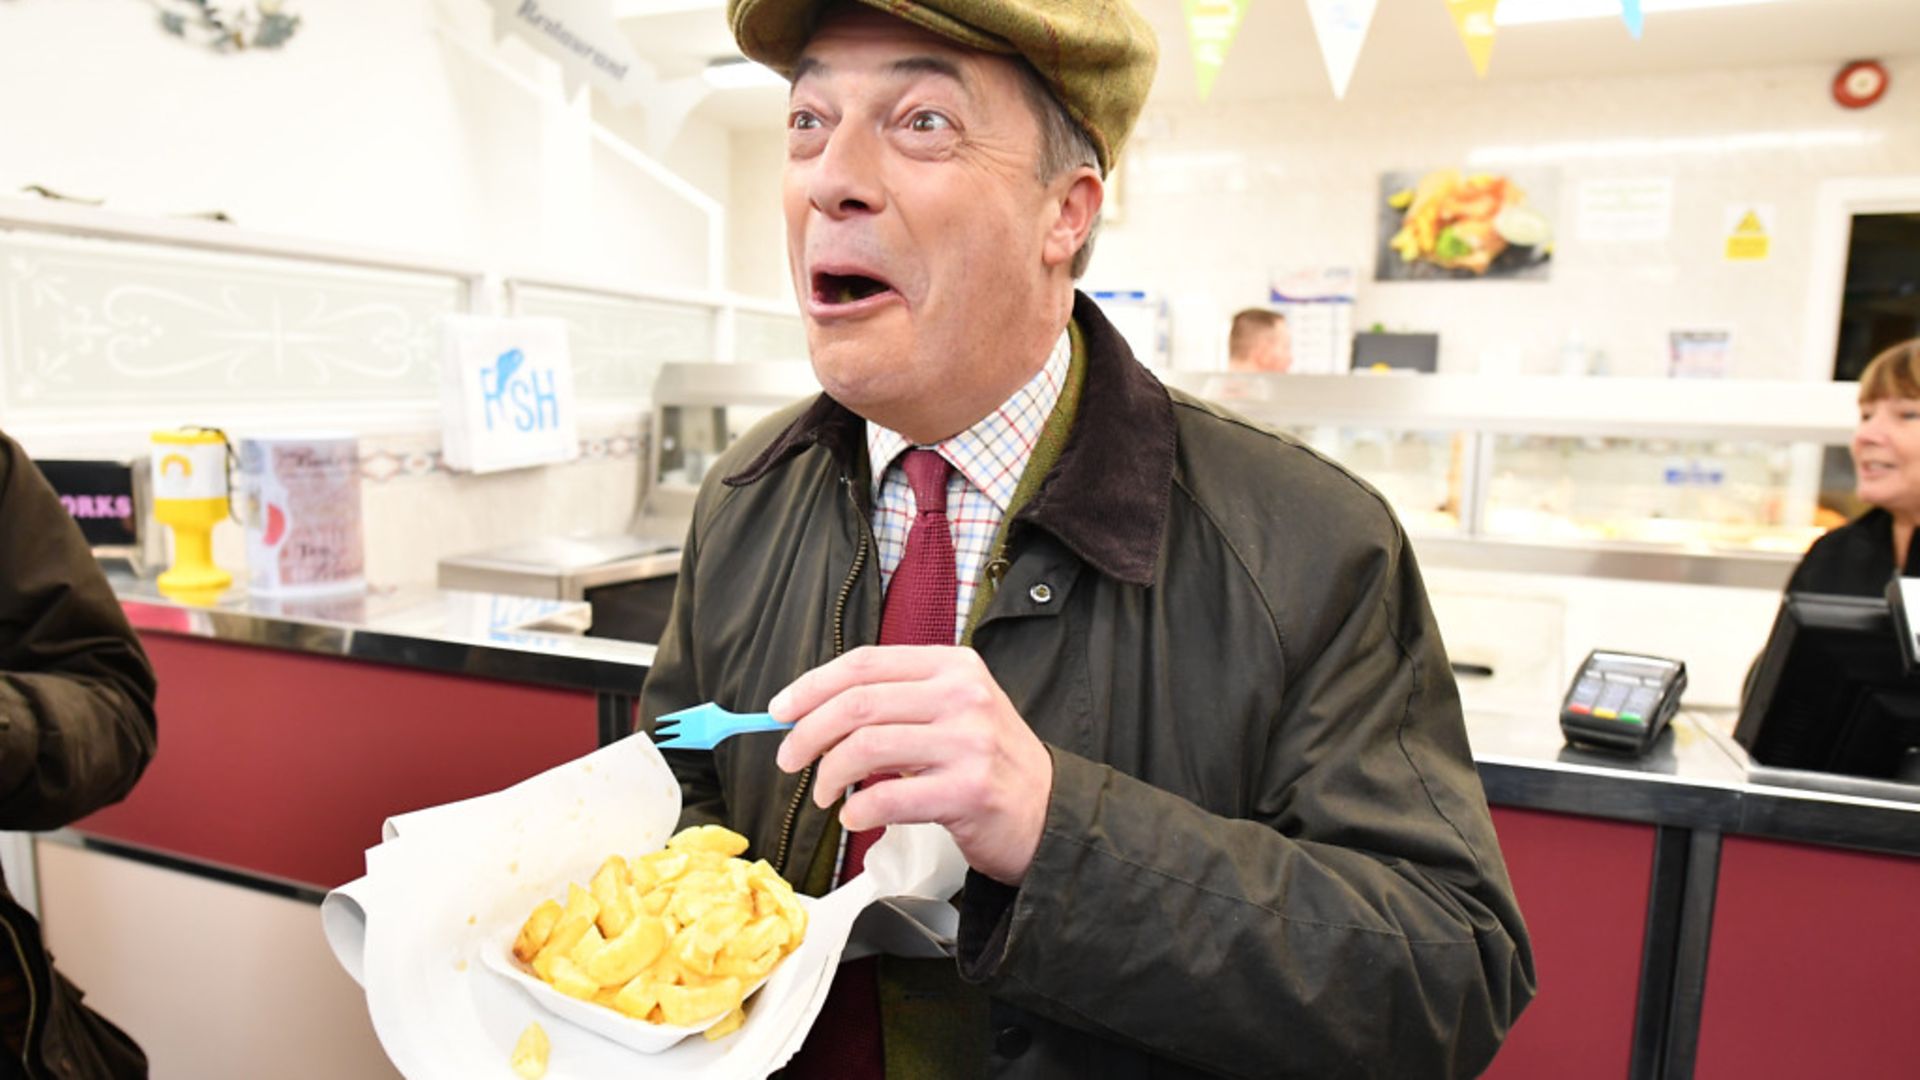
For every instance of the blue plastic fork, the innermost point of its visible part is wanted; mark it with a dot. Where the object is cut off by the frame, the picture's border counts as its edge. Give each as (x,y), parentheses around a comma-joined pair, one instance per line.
(704,726)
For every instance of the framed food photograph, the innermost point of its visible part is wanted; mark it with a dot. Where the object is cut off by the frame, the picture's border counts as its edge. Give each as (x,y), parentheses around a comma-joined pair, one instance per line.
(1458,225)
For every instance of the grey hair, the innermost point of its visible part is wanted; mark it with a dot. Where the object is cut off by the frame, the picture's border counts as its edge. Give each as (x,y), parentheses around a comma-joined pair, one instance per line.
(1064,146)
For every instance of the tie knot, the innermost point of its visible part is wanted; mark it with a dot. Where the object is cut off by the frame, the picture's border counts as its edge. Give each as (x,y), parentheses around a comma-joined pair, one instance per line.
(927,471)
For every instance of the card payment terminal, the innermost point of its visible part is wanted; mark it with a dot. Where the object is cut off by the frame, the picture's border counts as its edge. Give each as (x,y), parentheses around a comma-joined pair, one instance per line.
(1622,701)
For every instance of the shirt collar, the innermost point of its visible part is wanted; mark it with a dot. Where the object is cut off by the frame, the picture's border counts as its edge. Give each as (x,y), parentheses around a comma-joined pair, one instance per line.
(1108,496)
(992,453)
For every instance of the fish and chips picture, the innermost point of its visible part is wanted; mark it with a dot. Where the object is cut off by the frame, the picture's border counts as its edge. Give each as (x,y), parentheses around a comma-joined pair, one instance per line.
(1450,225)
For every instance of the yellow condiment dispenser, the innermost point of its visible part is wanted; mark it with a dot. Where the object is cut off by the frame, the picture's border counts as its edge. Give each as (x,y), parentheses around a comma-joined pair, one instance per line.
(190,497)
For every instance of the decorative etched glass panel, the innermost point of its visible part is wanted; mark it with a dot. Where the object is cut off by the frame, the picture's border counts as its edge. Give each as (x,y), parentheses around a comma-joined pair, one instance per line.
(758,338)
(103,322)
(618,343)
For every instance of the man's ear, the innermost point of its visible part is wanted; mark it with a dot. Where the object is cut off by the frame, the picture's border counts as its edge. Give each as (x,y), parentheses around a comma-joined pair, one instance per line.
(1077,207)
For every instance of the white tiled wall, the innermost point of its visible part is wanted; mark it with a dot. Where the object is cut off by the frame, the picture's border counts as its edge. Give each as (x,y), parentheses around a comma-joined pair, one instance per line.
(1218,198)
(414,518)
(382,123)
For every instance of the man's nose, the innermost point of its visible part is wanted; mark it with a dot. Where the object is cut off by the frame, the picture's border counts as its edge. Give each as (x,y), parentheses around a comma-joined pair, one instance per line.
(846,176)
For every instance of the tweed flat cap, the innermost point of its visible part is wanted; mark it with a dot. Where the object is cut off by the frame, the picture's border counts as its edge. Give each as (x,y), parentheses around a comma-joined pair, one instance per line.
(1097,56)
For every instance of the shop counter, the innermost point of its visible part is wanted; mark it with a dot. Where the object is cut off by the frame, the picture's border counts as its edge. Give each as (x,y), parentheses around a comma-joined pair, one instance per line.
(1685,919)
(291,729)
(1688,921)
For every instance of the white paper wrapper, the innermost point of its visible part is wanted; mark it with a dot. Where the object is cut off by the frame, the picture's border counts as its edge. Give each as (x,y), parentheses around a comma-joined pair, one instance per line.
(454,881)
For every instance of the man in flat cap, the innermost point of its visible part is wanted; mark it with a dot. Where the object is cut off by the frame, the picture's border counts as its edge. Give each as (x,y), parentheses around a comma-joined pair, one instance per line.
(1169,680)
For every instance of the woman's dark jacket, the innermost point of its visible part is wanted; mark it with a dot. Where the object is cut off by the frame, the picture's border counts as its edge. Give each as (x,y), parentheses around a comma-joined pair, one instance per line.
(76,730)
(1855,559)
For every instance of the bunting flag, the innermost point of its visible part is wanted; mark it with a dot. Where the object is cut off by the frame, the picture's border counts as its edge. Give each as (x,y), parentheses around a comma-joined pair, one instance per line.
(1211,25)
(1635,19)
(1341,26)
(1473,19)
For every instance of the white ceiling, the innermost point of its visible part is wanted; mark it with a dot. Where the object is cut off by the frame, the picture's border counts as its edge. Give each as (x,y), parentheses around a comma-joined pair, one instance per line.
(1411,45)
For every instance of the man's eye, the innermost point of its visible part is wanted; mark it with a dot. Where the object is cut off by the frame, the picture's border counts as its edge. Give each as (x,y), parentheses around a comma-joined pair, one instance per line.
(802,120)
(925,122)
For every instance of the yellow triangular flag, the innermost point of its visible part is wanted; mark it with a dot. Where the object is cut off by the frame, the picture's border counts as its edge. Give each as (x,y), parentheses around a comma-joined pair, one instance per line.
(1473,19)
(1750,224)
(1211,25)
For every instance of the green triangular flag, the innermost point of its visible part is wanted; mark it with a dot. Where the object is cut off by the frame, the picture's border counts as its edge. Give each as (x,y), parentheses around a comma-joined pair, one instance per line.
(1211,25)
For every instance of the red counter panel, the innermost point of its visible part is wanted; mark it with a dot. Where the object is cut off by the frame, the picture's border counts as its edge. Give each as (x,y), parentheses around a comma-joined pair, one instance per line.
(1814,967)
(1582,885)
(286,763)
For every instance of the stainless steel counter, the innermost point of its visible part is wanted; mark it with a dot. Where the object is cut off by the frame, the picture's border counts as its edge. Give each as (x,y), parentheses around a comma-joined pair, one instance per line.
(1696,777)
(516,638)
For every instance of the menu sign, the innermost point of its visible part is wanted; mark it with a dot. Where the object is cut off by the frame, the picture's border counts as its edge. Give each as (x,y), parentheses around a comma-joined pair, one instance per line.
(99,495)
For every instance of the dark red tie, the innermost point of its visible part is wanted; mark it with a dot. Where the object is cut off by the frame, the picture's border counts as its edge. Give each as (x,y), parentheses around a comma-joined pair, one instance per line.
(919,610)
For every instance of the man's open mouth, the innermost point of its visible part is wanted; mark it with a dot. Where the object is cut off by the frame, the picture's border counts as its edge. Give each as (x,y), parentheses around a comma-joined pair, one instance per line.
(846,288)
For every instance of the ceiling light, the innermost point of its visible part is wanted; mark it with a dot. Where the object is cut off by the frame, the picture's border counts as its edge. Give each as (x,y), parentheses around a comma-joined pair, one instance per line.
(1525,12)
(741,75)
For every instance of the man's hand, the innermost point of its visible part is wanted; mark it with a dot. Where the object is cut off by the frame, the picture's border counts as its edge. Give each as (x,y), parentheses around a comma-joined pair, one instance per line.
(934,716)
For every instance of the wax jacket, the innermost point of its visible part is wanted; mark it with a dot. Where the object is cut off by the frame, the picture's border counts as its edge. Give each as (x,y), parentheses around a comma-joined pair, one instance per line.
(1266,852)
(76,730)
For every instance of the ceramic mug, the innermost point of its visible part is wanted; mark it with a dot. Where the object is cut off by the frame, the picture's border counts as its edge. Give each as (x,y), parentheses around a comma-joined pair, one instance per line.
(300,506)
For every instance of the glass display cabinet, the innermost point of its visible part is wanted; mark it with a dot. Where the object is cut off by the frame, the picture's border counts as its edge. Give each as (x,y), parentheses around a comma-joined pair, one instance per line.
(1708,482)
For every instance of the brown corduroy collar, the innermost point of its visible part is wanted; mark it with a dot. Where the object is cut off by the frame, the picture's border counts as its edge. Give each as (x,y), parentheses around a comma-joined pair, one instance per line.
(1106,499)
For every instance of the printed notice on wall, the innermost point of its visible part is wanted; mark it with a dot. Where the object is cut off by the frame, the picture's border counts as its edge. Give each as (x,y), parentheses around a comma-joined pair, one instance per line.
(1699,354)
(1749,231)
(1625,210)
(1317,303)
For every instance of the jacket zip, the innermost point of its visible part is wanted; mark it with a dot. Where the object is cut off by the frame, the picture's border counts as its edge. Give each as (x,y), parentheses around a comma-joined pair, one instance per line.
(839,646)
(33,996)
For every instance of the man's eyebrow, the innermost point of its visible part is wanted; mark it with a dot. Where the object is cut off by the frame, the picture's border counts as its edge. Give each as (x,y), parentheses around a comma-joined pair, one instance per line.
(932,65)
(912,65)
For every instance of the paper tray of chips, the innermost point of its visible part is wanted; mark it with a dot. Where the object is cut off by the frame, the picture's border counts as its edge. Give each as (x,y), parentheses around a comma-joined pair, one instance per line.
(450,881)
(781,984)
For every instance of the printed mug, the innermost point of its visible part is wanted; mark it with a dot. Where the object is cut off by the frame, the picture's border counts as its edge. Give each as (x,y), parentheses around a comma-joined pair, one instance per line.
(300,506)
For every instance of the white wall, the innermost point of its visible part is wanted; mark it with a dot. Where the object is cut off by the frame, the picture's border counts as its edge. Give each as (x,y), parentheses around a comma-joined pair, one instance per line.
(757,263)
(371,127)
(1219,197)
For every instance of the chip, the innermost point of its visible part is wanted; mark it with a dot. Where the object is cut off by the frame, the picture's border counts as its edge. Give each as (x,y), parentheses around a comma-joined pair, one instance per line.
(676,936)
(530,1053)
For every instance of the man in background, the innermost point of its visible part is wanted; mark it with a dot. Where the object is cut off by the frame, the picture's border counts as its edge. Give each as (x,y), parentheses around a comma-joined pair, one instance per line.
(76,731)
(1260,341)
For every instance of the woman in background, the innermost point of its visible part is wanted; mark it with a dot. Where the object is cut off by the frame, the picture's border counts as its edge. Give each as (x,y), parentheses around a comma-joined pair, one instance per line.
(1861,556)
